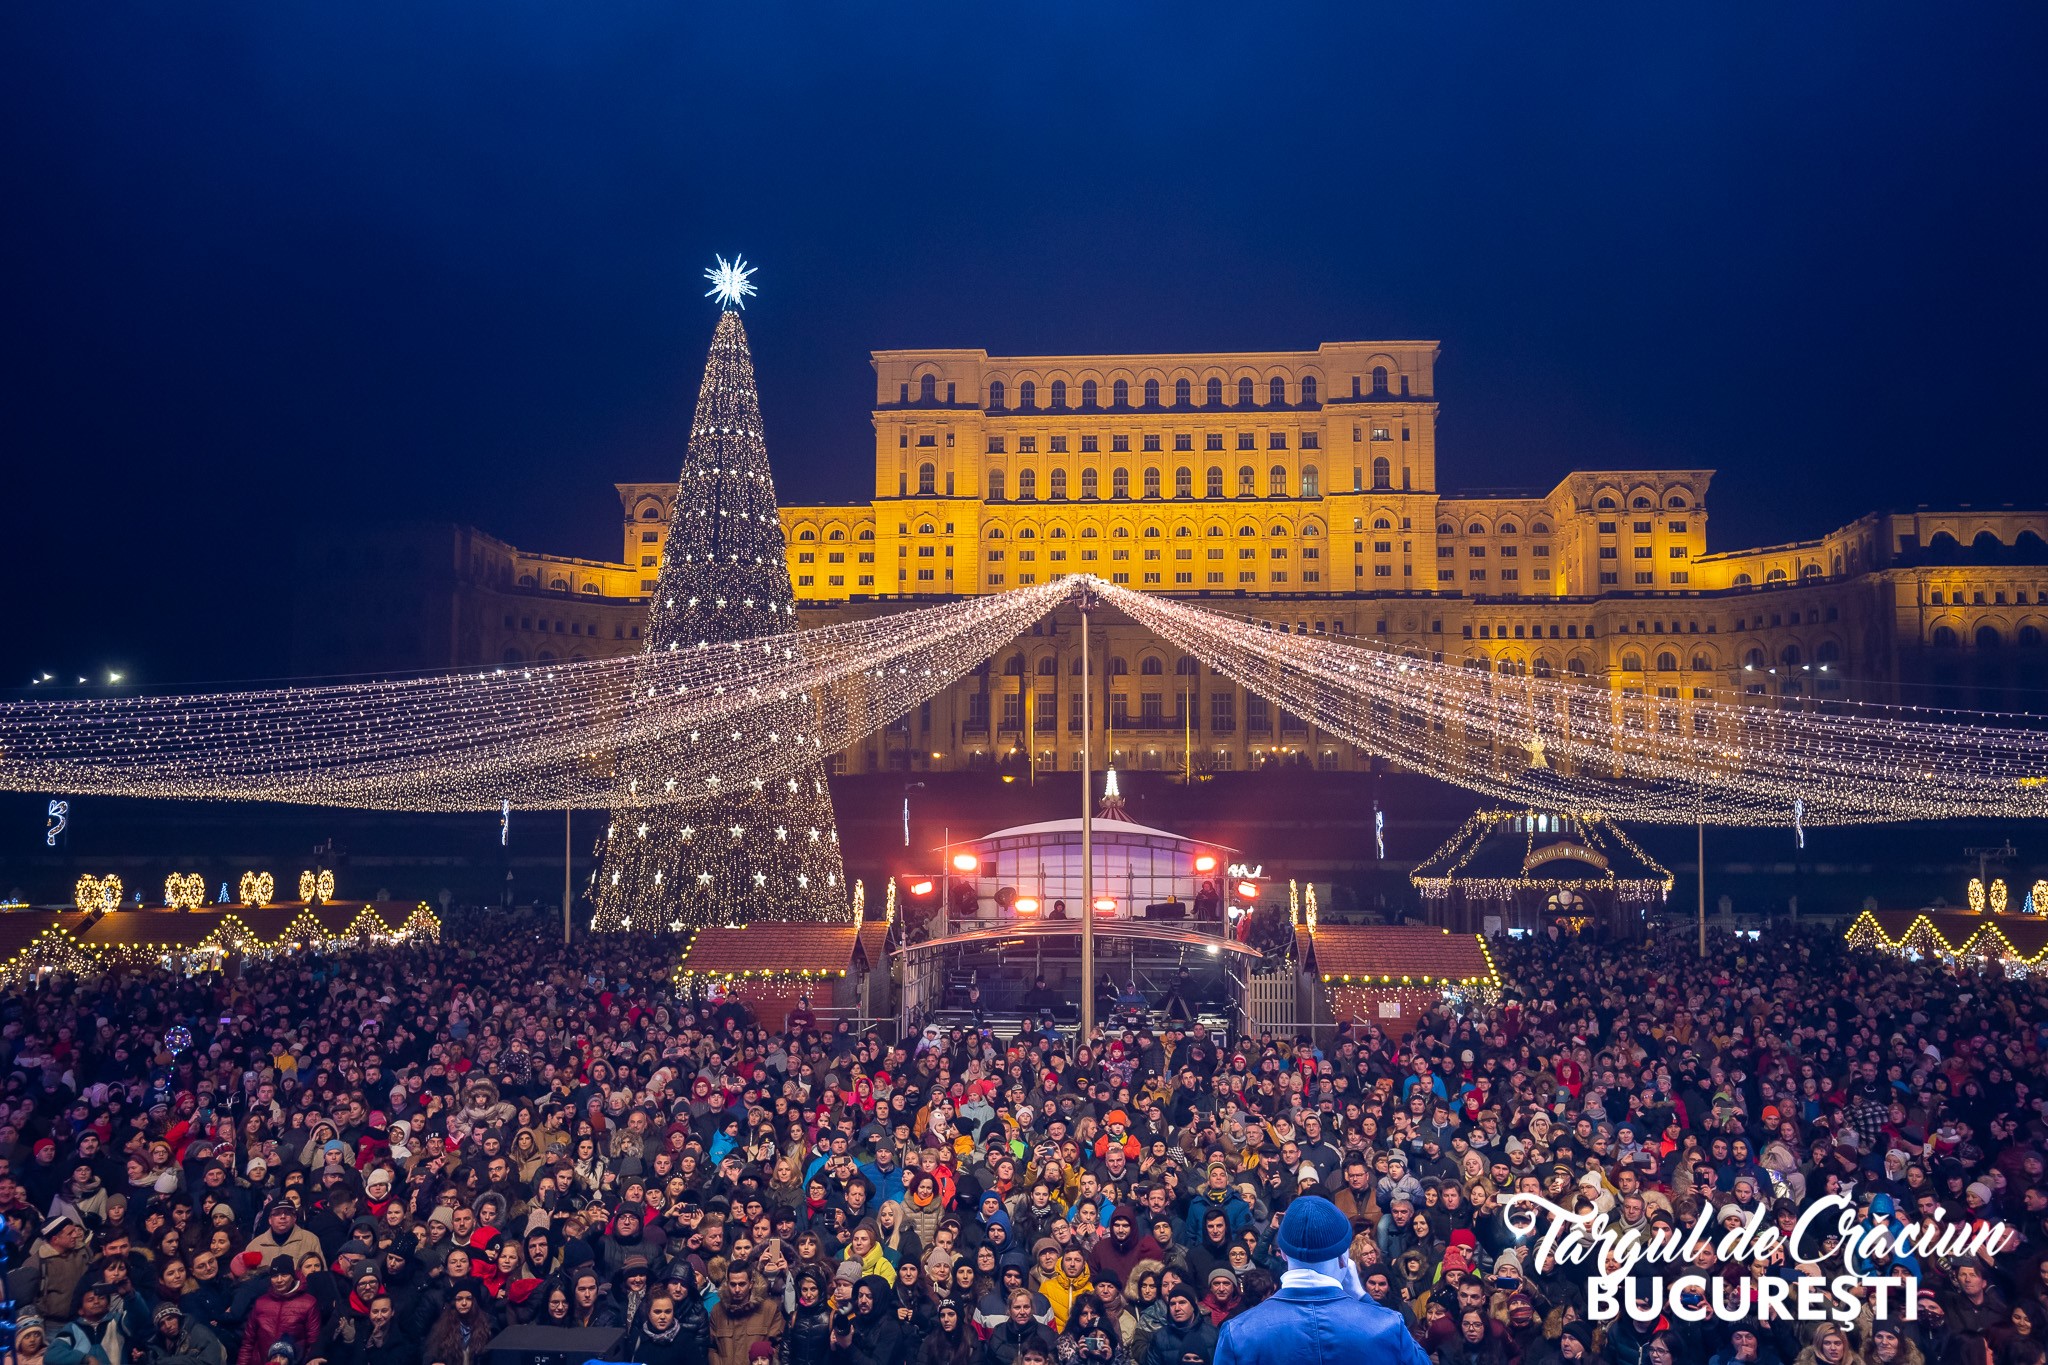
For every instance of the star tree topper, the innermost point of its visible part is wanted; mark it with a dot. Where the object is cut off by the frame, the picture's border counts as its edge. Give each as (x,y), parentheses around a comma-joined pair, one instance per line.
(731,282)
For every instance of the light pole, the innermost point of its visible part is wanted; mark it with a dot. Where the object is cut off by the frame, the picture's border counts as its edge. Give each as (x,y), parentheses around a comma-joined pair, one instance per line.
(1087,601)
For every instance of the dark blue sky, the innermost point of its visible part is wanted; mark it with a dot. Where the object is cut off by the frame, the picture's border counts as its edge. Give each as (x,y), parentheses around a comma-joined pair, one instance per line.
(269,268)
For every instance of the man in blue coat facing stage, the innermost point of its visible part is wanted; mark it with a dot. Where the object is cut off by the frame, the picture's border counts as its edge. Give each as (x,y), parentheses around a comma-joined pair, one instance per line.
(1321,1315)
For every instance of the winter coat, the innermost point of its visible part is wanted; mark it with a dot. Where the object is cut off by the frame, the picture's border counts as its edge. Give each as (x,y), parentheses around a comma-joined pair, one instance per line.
(1173,1344)
(734,1333)
(808,1341)
(50,1280)
(1008,1339)
(292,1316)
(196,1345)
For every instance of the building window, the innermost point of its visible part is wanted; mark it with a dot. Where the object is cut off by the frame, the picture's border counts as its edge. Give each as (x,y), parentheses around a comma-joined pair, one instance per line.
(1244,393)
(1183,482)
(1089,443)
(1056,484)
(1057,445)
(1088,484)
(1183,392)
(995,396)
(927,478)
(1059,394)
(1120,483)
(1276,481)
(1151,442)
(995,485)
(1027,484)
(1245,441)
(1151,483)
(1214,393)
(1379,379)
(1120,393)
(1088,392)
(995,445)
(1276,392)
(1310,485)
(1027,395)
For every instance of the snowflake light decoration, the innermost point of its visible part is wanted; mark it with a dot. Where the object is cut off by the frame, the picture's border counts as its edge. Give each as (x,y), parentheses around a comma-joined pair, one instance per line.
(730,282)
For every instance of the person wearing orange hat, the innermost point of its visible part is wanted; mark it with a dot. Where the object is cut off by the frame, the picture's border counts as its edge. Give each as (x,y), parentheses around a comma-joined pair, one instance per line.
(1117,1132)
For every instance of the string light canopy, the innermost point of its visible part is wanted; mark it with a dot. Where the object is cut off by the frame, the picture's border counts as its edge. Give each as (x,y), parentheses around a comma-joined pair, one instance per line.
(735,695)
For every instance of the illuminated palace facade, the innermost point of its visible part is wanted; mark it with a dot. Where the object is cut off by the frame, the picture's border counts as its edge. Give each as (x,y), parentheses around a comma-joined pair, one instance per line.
(1300,490)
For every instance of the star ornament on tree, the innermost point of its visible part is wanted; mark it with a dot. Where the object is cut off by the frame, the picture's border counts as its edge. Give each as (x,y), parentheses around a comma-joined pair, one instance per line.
(731,283)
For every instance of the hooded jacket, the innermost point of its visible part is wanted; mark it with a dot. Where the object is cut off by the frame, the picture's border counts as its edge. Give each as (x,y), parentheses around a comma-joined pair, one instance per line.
(292,1316)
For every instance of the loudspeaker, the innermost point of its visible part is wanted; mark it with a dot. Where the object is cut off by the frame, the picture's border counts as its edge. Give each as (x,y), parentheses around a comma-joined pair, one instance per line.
(534,1345)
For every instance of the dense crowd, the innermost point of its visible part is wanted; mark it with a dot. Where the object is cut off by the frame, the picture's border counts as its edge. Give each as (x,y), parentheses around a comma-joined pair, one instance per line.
(387,1158)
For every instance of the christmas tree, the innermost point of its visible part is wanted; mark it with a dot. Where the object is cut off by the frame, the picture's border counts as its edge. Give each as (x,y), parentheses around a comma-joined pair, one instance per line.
(767,849)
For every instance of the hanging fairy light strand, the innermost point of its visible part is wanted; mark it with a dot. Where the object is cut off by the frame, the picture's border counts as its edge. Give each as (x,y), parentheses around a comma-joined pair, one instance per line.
(1566,744)
(549,737)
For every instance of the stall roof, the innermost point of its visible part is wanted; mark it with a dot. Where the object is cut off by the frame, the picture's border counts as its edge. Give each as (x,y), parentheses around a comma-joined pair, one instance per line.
(1154,931)
(1956,931)
(1398,951)
(767,946)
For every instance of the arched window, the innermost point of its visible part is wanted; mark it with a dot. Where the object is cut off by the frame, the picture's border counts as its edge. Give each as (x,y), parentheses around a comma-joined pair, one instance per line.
(1151,667)
(1989,638)
(1382,472)
(1477,528)
(1667,662)
(1151,483)
(1542,667)
(651,512)
(995,485)
(1118,668)
(1120,393)
(1944,637)
(1088,486)
(1187,666)
(927,478)
(1183,482)
(1151,393)
(2030,637)
(1215,393)
(1537,528)
(1276,392)
(1701,663)
(1120,483)
(1088,392)
(995,395)
(1444,528)
(1059,393)
(1056,484)
(1382,524)
(1606,504)
(1631,662)
(1743,580)
(1576,667)
(928,389)
(1379,379)
(1675,500)
(1027,484)
(1308,390)
(1014,666)
(1775,576)
(1789,656)
(1276,481)
(1215,481)
(1027,394)
(1752,660)
(1310,482)
(1183,393)
(1507,528)
(1244,392)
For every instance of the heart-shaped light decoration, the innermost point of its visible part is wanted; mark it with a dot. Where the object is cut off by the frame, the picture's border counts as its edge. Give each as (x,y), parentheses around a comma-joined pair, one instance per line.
(184,891)
(257,888)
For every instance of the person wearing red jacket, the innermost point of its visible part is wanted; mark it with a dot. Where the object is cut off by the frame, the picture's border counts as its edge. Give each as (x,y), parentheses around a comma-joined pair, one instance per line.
(285,1313)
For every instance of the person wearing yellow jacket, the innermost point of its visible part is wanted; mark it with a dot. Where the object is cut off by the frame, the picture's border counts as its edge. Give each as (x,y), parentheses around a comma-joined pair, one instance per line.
(1067,1286)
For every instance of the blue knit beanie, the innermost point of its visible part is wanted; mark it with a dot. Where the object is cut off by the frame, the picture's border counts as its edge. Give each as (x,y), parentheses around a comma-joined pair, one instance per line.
(1314,1230)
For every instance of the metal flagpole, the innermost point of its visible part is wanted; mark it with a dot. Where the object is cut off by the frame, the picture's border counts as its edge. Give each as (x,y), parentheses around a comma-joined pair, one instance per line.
(565,878)
(1087,829)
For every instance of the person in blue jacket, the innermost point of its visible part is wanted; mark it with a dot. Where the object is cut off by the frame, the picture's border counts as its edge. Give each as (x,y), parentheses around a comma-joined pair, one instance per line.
(1320,1316)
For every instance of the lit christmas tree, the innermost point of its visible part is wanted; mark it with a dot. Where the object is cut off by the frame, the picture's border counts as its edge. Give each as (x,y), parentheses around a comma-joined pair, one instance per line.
(768,849)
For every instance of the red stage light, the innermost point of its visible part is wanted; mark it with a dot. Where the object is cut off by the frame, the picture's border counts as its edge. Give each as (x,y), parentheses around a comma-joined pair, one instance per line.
(1205,862)
(923,888)
(1248,891)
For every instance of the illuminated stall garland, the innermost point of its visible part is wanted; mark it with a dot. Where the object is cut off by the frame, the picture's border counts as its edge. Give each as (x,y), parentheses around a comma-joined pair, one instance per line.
(1987,946)
(694,721)
(60,946)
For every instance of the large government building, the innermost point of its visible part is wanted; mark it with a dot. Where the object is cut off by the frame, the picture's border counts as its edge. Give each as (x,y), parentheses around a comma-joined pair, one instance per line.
(1298,489)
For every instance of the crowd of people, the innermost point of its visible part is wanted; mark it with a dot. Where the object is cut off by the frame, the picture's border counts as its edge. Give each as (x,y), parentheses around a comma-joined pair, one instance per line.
(389,1157)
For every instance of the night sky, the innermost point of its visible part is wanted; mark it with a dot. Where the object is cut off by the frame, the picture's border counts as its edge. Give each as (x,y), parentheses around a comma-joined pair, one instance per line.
(270,270)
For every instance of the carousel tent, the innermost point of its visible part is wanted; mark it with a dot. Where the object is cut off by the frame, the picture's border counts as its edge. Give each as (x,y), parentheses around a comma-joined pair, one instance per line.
(1526,870)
